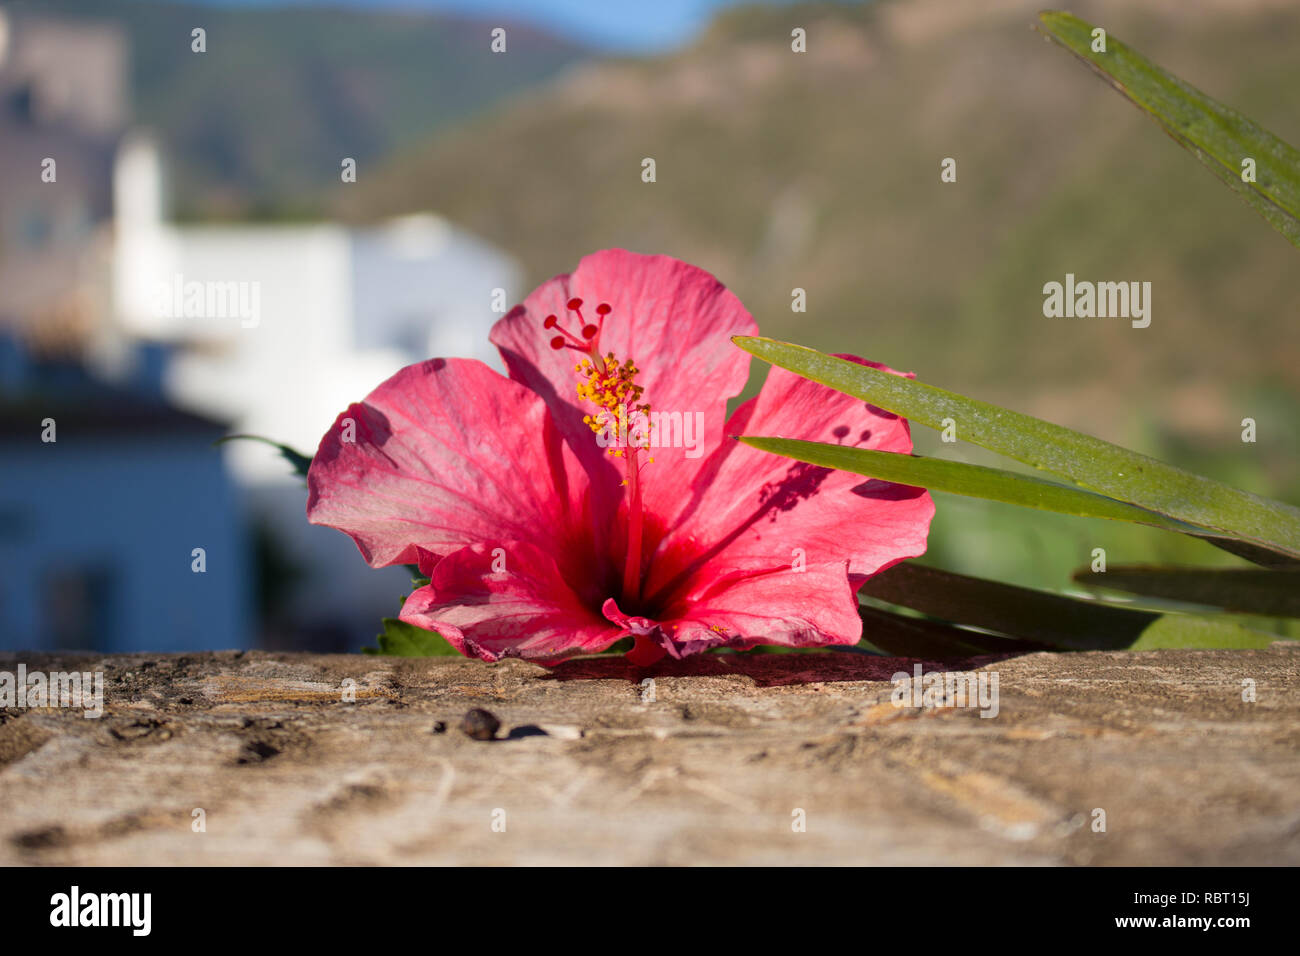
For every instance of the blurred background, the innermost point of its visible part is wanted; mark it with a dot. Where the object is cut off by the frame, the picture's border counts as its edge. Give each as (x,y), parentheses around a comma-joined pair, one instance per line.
(478,171)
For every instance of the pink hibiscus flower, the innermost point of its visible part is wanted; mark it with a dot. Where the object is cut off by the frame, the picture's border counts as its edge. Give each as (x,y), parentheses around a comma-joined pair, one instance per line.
(596,494)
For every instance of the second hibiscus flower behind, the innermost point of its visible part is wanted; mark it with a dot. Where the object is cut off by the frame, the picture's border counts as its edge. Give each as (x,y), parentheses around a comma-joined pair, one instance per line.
(597,493)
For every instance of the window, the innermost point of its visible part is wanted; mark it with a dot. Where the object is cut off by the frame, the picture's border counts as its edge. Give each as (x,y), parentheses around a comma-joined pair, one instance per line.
(76,603)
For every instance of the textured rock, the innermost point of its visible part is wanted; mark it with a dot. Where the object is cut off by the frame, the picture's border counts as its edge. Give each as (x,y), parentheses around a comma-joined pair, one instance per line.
(588,769)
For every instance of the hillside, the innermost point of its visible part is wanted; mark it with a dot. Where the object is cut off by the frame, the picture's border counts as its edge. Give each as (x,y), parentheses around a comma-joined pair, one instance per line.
(258,125)
(777,170)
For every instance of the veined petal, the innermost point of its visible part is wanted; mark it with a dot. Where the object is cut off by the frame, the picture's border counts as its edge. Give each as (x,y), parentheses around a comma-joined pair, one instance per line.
(507,599)
(446,454)
(812,606)
(750,509)
(673,320)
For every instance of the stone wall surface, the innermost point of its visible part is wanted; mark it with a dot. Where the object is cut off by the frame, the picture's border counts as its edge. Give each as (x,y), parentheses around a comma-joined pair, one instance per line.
(714,770)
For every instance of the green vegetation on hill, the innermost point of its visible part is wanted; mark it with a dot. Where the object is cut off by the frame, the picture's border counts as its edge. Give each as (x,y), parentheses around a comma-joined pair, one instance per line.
(778,170)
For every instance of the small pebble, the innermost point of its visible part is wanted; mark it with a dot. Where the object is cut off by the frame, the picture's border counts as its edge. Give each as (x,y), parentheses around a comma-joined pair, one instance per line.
(440,727)
(480,724)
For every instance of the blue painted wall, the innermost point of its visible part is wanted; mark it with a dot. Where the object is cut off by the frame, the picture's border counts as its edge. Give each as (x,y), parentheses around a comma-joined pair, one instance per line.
(121,512)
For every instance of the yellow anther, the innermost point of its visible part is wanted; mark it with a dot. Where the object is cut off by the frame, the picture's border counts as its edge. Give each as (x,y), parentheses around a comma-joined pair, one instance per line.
(611,387)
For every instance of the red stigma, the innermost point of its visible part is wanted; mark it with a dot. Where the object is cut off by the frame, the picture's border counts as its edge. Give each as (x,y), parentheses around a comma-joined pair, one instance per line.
(587,337)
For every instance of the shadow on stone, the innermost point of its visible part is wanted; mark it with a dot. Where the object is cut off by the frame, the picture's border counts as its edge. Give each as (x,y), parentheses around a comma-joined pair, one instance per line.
(767,670)
(527,730)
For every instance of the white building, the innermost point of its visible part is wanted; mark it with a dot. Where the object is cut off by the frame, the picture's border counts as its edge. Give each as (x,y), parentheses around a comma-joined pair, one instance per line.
(274,329)
(277,328)
(308,317)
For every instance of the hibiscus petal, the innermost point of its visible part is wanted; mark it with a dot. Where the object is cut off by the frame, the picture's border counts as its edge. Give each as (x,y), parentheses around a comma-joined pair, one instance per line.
(506,599)
(750,509)
(674,320)
(812,607)
(447,453)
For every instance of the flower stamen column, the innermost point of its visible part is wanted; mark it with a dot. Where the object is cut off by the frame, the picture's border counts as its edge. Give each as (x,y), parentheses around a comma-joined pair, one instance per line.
(610,386)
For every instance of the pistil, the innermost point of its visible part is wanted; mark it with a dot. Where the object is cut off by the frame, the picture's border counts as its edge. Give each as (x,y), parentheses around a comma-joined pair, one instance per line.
(632,564)
(610,385)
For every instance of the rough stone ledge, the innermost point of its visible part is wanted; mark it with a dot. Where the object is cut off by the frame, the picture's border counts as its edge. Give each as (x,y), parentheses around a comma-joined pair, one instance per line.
(712,771)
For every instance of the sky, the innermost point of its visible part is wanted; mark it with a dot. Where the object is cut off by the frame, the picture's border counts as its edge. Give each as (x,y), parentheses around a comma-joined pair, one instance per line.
(632,26)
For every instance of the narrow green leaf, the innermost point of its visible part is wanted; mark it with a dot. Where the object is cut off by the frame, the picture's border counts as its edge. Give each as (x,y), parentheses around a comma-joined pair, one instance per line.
(1261,556)
(1180,631)
(400,639)
(1086,461)
(1026,619)
(1023,613)
(959,478)
(297,460)
(902,636)
(1243,590)
(1217,135)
